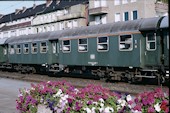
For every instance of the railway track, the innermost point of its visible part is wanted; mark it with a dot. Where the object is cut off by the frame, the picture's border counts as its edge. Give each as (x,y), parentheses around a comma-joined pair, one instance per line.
(120,87)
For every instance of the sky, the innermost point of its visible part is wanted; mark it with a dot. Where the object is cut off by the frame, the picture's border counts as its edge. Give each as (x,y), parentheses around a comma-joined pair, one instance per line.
(7,7)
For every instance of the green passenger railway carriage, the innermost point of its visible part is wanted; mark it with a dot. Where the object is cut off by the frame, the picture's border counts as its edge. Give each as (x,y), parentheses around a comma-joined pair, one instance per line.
(129,50)
(31,53)
(3,53)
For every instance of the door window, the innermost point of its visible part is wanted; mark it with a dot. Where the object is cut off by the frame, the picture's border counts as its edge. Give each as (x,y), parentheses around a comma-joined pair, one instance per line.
(151,41)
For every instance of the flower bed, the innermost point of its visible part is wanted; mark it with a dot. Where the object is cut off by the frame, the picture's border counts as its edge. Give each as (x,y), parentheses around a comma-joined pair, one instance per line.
(62,97)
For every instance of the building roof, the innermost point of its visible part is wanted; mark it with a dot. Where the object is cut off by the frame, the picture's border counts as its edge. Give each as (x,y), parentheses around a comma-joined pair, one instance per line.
(40,9)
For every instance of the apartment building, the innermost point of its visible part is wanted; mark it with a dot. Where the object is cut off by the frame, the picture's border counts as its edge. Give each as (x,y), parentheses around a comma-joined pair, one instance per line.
(66,14)
(66,17)
(15,24)
(53,15)
(107,11)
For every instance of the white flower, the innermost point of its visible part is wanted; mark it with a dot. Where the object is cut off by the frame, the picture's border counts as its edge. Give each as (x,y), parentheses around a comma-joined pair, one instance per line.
(32,88)
(101,100)
(101,109)
(108,110)
(136,111)
(63,99)
(101,104)
(87,110)
(27,91)
(111,109)
(122,102)
(76,90)
(59,93)
(48,82)
(95,103)
(128,98)
(157,107)
(41,100)
(93,110)
(118,107)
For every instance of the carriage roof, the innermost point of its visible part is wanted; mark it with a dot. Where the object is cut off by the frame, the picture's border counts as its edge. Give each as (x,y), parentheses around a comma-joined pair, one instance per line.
(86,31)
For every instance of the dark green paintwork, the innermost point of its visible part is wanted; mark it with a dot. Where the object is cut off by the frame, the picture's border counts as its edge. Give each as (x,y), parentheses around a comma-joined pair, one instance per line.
(3,57)
(166,46)
(113,57)
(152,58)
(38,58)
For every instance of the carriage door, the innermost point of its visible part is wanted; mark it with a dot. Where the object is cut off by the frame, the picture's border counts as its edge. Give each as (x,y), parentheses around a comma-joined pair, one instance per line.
(152,49)
(55,49)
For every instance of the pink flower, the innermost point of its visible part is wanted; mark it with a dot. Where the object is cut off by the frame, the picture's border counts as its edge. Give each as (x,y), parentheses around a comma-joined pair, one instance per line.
(151,110)
(138,107)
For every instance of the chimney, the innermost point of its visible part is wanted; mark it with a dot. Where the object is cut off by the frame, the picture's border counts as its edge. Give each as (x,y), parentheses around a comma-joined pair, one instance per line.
(17,11)
(34,5)
(23,9)
(48,2)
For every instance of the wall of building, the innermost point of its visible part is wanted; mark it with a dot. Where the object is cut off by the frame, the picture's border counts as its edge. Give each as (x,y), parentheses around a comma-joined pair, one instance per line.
(120,8)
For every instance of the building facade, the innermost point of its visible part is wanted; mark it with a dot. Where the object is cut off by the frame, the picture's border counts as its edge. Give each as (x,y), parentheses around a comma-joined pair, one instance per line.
(107,11)
(74,16)
(53,15)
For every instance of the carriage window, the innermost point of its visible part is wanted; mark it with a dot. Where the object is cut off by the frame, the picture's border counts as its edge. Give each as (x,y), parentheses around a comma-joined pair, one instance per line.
(18,49)
(34,48)
(26,49)
(66,46)
(151,41)
(125,43)
(11,49)
(82,45)
(102,44)
(43,47)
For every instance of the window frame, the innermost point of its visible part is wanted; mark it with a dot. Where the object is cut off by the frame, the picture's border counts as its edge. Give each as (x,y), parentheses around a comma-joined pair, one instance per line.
(126,42)
(25,48)
(117,17)
(32,47)
(82,45)
(148,49)
(18,49)
(133,12)
(11,50)
(103,44)
(124,16)
(64,51)
(41,48)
